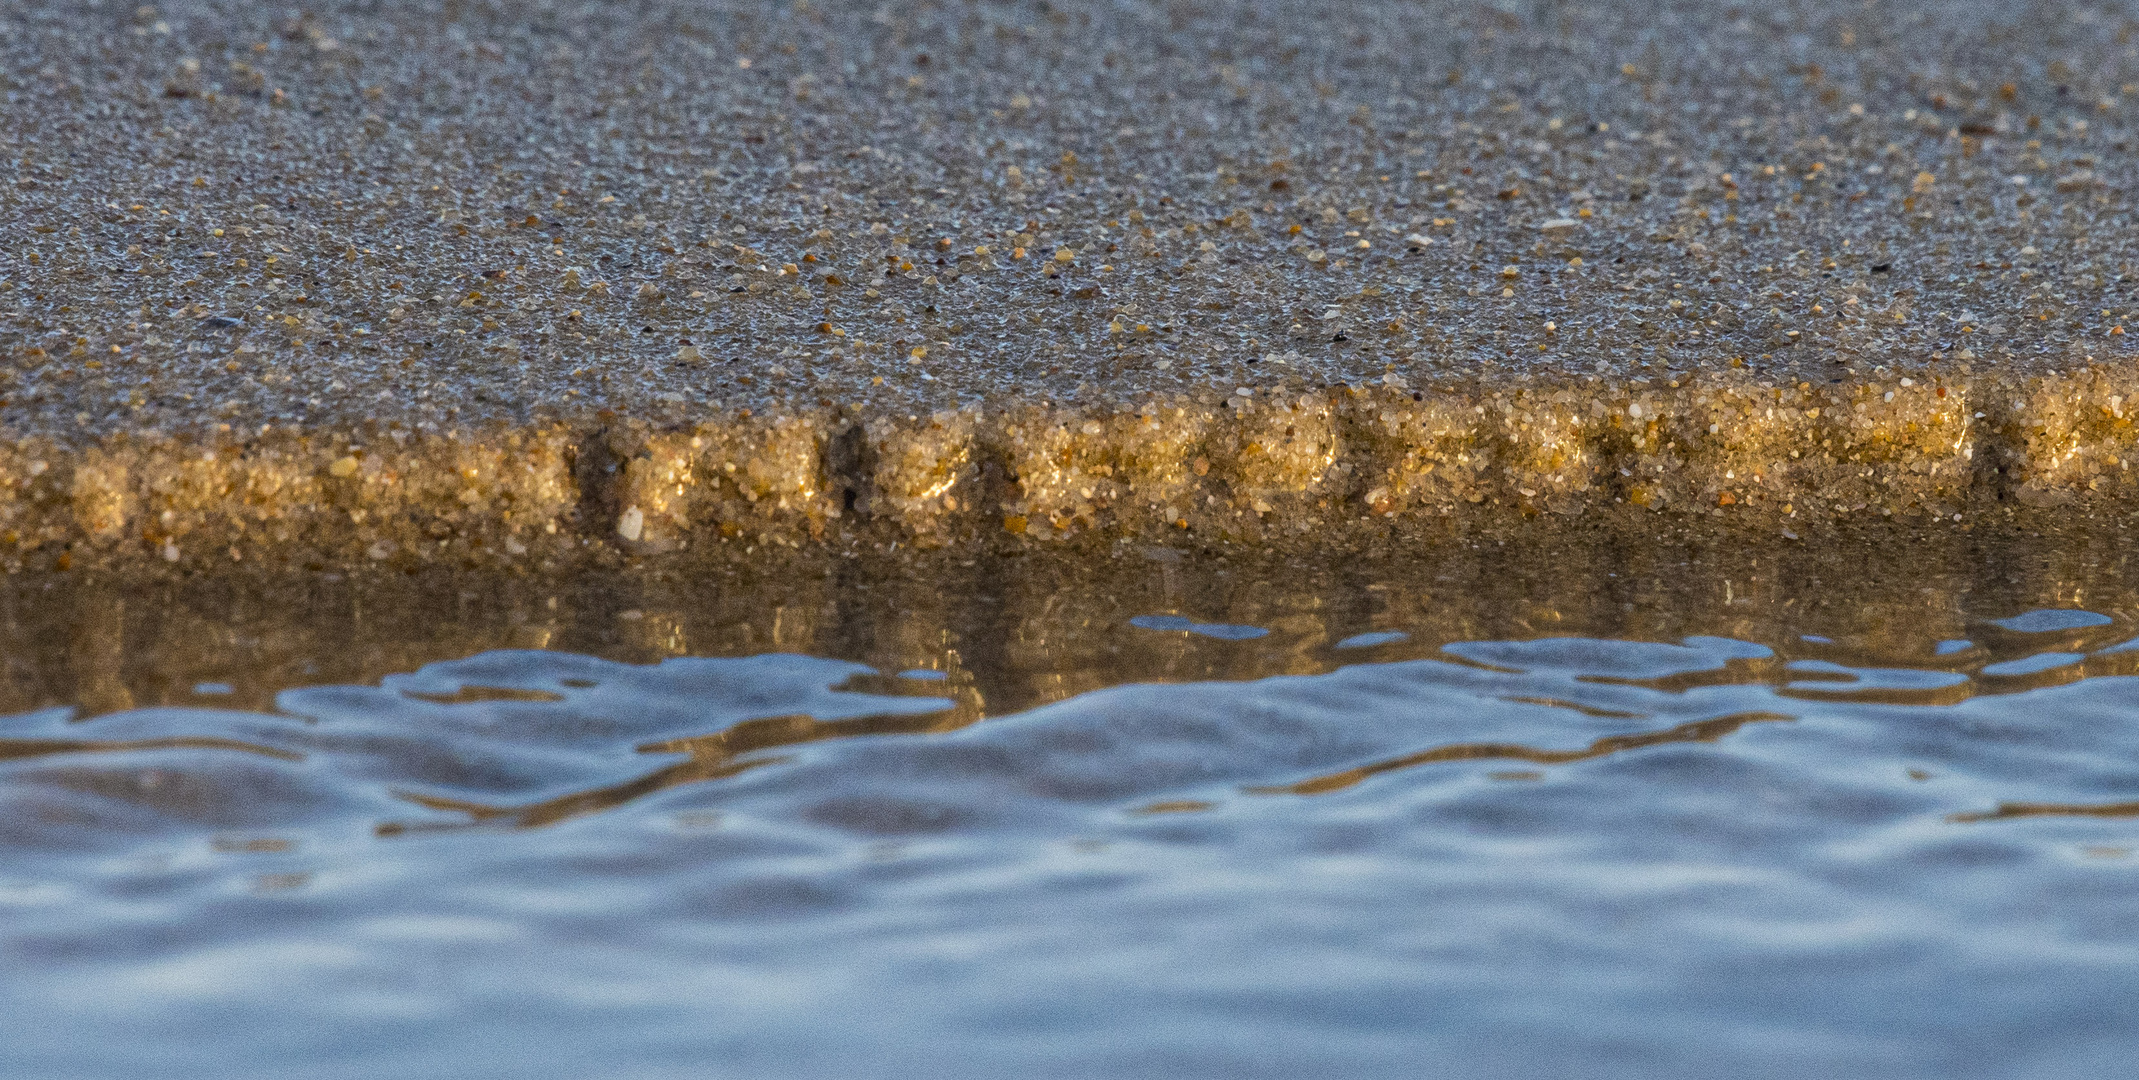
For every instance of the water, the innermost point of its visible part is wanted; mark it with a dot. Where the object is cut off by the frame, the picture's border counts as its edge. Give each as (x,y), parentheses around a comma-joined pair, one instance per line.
(1159,817)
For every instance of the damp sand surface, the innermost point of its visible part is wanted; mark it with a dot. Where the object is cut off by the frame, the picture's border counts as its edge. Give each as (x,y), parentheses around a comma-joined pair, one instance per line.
(1622,809)
(406,282)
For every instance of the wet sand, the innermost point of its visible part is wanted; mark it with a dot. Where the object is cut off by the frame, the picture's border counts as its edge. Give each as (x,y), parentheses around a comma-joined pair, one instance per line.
(406,284)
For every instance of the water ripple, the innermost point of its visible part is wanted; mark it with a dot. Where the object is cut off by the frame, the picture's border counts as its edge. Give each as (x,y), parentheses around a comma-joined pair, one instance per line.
(1740,837)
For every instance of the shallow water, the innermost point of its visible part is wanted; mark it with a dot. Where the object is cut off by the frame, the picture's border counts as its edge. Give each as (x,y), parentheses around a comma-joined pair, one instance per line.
(1172,818)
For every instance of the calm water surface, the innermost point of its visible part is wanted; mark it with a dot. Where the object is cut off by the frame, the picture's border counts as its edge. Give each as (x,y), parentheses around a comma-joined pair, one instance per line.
(1216,825)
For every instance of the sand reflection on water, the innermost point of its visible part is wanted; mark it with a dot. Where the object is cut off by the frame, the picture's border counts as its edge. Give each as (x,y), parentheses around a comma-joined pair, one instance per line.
(1166,818)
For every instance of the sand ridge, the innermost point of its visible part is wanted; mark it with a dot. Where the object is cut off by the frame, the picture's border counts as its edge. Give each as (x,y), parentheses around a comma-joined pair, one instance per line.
(389,275)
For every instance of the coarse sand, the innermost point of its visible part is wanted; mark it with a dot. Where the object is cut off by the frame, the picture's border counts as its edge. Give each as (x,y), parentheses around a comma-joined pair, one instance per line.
(401,282)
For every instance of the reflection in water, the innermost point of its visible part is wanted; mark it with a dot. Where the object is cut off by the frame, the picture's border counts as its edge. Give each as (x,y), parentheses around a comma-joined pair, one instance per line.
(2022,810)
(708,757)
(526,707)
(1372,638)
(1586,710)
(467,695)
(1185,625)
(532,704)
(1558,819)
(1175,806)
(28,748)
(1695,731)
(2051,620)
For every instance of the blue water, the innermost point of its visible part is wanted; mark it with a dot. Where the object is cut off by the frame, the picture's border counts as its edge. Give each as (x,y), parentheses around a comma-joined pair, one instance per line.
(1562,856)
